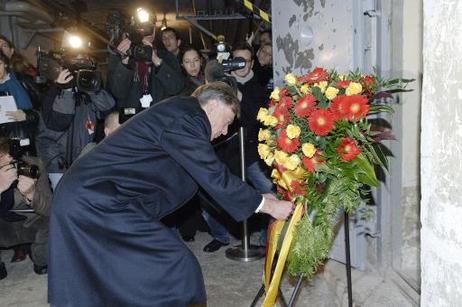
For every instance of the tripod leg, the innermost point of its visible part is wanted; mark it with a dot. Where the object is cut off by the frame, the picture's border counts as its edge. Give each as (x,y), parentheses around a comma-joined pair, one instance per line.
(296,290)
(259,294)
(282,298)
(348,260)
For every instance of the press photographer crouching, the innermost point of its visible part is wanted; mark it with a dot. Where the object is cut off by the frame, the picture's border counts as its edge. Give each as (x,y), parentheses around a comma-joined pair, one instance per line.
(139,73)
(25,201)
(70,110)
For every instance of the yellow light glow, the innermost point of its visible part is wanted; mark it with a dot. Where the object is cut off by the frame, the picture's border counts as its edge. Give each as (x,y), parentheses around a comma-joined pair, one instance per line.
(143,15)
(75,41)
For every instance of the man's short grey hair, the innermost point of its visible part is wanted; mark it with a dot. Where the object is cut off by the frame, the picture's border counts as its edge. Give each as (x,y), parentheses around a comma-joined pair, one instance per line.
(219,91)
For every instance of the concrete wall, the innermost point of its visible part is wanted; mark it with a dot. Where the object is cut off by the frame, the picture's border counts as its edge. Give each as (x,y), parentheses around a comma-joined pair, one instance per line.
(441,164)
(312,33)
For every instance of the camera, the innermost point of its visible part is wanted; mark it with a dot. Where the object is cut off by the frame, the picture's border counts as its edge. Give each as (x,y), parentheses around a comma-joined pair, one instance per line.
(82,66)
(223,56)
(118,27)
(17,149)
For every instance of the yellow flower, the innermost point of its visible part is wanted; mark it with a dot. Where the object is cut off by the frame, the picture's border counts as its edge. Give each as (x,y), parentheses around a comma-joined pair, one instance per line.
(275,174)
(264,135)
(275,94)
(269,159)
(331,92)
(270,121)
(293,131)
(280,157)
(290,79)
(322,86)
(308,149)
(262,114)
(292,162)
(353,89)
(305,89)
(263,150)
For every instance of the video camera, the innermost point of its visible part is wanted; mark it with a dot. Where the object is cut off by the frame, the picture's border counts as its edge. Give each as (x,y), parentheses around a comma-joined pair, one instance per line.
(223,51)
(17,149)
(135,29)
(83,67)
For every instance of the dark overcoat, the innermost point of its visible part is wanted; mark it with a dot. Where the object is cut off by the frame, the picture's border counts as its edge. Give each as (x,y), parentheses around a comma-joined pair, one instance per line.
(108,247)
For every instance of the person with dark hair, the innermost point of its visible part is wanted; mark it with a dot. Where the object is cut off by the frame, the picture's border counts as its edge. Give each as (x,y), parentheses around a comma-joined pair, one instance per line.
(23,70)
(108,246)
(192,63)
(253,97)
(23,121)
(29,194)
(138,84)
(68,123)
(171,41)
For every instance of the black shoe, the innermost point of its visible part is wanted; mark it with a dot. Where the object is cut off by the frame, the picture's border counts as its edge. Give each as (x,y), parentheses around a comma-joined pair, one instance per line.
(214,246)
(3,272)
(40,269)
(188,238)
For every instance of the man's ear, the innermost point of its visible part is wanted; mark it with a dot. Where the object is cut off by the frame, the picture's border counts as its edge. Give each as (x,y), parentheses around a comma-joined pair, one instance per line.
(179,43)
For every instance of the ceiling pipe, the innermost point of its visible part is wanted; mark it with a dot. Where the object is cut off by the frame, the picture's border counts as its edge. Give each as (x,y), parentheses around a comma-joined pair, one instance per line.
(28,15)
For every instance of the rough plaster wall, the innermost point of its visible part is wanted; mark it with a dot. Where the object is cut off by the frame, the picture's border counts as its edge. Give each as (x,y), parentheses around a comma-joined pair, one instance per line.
(441,165)
(306,34)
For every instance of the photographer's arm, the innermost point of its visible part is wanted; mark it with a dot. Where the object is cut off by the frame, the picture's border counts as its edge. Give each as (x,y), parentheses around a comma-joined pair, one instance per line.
(119,78)
(167,77)
(36,192)
(58,109)
(103,102)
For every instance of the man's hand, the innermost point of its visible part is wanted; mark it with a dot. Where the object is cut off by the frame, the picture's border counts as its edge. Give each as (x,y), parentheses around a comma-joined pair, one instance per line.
(123,48)
(279,209)
(8,175)
(64,77)
(26,186)
(17,116)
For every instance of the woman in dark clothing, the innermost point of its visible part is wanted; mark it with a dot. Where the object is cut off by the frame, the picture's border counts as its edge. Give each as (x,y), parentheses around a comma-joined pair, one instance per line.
(192,63)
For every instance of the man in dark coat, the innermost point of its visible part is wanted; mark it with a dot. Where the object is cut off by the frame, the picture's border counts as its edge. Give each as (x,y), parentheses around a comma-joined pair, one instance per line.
(107,246)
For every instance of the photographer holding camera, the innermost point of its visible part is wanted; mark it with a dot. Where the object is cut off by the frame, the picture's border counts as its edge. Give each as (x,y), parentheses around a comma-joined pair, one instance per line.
(24,186)
(139,74)
(69,116)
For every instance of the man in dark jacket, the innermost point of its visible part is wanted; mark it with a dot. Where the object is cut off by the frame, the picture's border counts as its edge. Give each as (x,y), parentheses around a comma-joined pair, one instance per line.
(68,123)
(108,247)
(28,194)
(136,83)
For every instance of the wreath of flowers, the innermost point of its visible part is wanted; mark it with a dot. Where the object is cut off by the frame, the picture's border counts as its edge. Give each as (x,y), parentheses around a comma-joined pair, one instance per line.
(322,147)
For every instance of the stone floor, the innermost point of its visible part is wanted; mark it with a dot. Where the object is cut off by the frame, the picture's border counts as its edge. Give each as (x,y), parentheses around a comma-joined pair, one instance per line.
(230,284)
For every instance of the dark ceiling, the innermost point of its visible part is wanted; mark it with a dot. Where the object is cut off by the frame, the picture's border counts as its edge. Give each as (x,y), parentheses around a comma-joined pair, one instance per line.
(227,17)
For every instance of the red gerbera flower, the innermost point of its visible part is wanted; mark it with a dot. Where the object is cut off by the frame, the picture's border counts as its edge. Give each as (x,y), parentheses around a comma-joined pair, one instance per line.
(286,144)
(310,163)
(356,107)
(343,84)
(282,114)
(367,80)
(297,187)
(321,122)
(285,102)
(338,106)
(348,149)
(317,75)
(305,106)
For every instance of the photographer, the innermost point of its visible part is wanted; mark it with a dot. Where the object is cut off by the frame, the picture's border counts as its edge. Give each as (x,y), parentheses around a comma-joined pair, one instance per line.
(20,191)
(69,118)
(132,80)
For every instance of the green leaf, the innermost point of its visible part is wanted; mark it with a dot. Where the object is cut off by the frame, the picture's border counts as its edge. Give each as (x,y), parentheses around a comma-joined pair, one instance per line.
(365,171)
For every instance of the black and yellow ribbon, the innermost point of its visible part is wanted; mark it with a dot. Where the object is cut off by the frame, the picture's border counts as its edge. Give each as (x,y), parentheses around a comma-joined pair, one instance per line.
(256,10)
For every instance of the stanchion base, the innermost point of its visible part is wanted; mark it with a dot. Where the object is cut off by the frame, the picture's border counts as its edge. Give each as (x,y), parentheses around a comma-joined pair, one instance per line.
(238,253)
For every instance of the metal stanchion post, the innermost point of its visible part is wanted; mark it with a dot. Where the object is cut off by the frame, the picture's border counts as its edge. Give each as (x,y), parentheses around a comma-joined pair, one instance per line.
(246,252)
(348,260)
